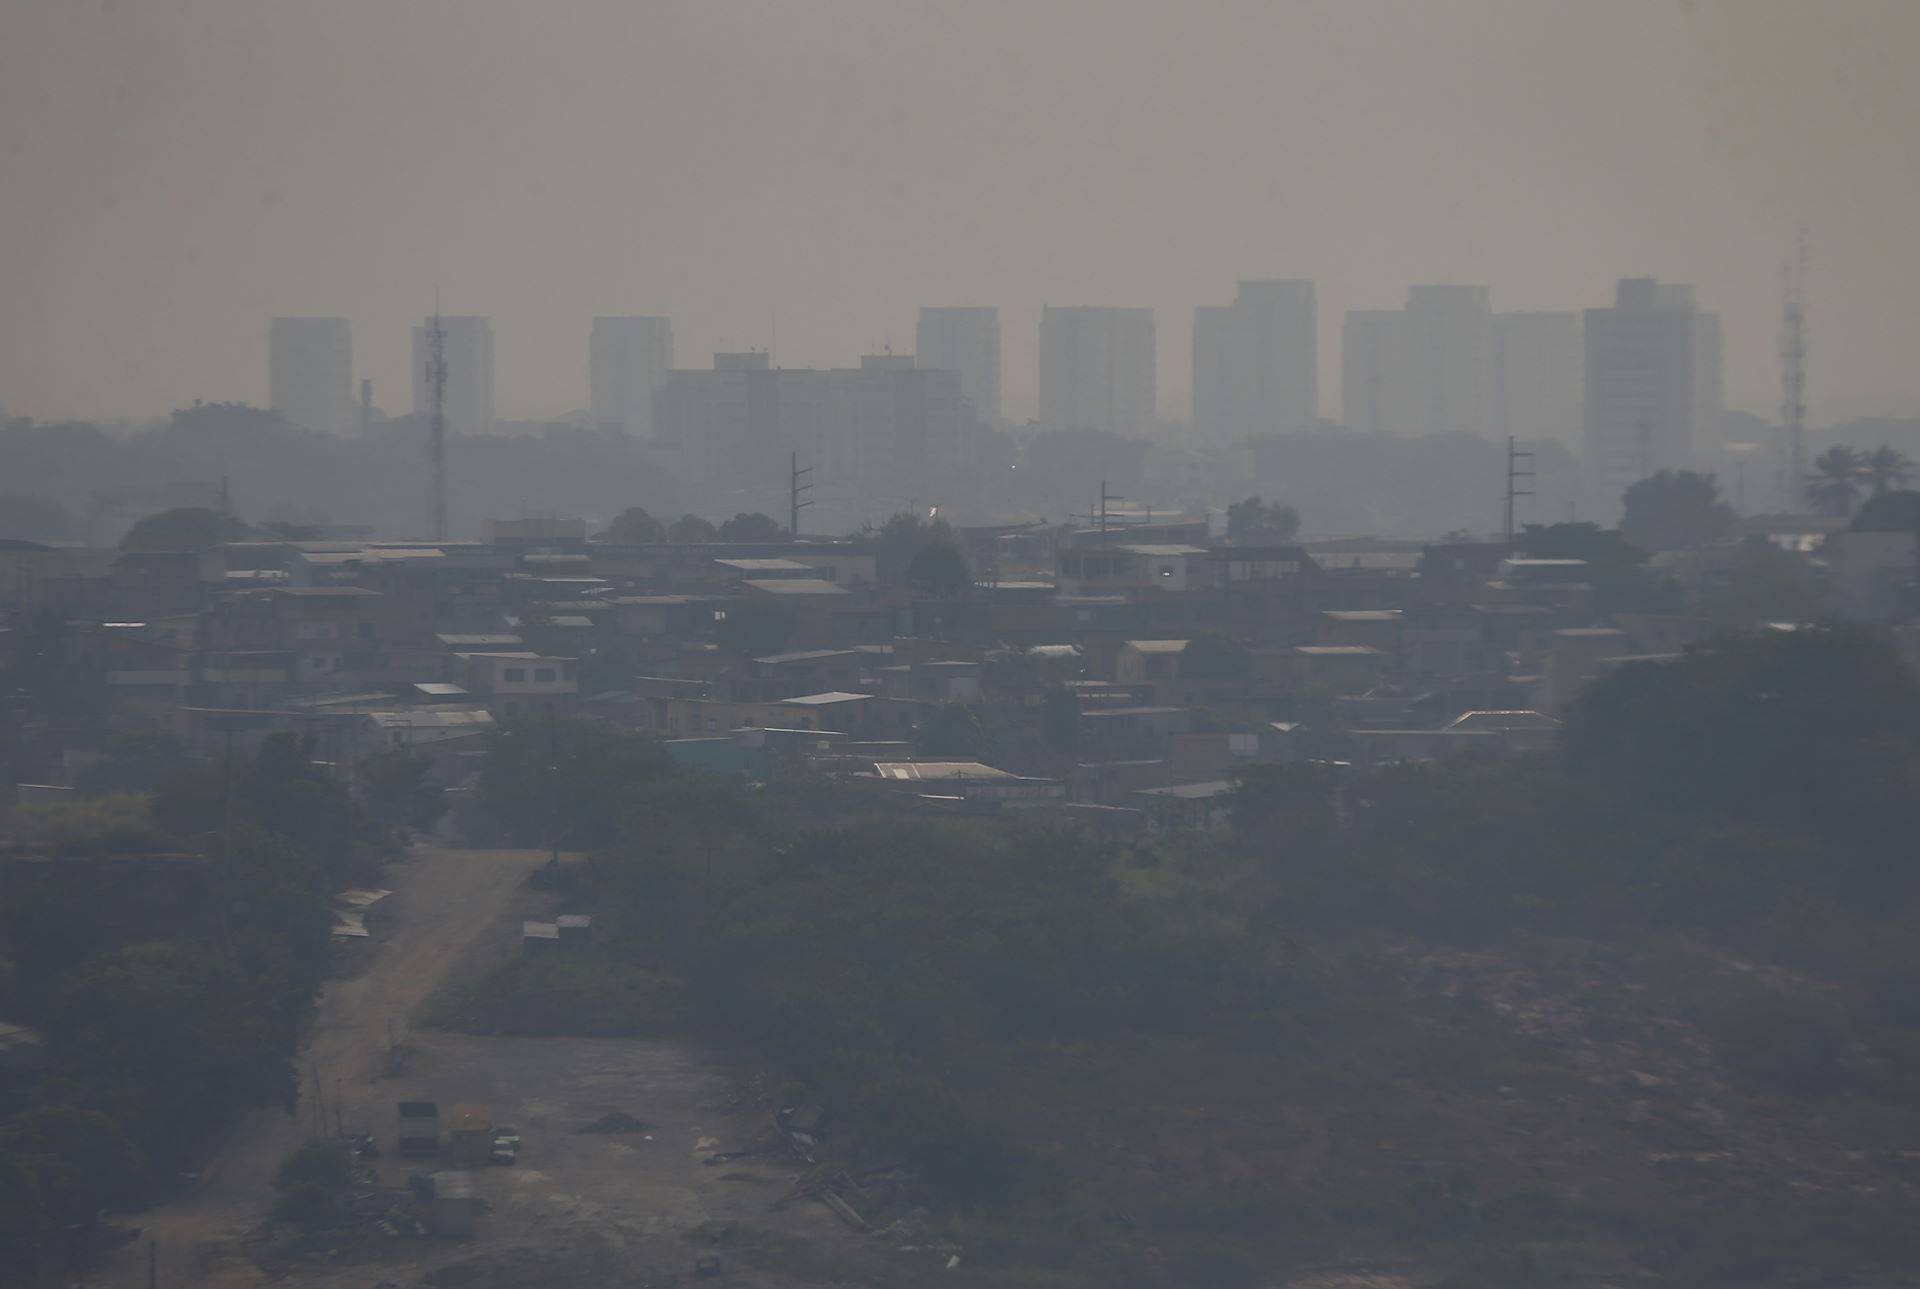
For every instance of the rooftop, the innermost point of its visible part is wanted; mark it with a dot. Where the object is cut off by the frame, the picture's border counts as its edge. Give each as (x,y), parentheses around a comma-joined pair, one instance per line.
(928,771)
(826,699)
(795,586)
(1157,646)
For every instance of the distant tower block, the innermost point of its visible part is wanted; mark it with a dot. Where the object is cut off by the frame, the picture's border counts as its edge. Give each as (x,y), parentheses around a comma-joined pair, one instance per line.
(310,372)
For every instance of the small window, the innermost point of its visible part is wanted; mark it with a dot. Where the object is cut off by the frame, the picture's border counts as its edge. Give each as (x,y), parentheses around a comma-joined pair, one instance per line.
(513,674)
(543,673)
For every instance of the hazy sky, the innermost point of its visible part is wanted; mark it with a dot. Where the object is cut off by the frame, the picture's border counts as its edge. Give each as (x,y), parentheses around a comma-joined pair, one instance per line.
(177,171)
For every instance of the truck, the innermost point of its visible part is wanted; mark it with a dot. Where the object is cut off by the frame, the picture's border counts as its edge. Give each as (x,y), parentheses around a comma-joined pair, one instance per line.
(419,1128)
(470,1136)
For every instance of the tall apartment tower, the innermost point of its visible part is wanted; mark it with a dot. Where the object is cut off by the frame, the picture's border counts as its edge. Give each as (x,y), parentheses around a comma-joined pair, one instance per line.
(1653,383)
(1539,370)
(1256,362)
(628,358)
(1097,370)
(469,356)
(1369,363)
(1445,347)
(310,372)
(966,341)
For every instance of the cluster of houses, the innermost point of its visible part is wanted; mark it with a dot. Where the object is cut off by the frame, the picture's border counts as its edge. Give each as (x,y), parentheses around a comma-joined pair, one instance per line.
(1124,671)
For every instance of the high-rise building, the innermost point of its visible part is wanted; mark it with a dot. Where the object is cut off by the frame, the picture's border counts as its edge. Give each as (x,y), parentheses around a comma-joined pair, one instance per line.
(1424,369)
(1444,346)
(966,341)
(628,358)
(1256,362)
(1538,371)
(310,372)
(469,356)
(1369,363)
(1653,383)
(1097,370)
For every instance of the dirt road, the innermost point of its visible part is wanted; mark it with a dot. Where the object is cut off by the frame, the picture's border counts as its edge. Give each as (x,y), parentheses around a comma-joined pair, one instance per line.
(443,901)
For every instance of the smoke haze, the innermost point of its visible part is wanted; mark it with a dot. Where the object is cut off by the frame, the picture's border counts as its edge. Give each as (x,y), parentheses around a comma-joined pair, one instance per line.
(806,176)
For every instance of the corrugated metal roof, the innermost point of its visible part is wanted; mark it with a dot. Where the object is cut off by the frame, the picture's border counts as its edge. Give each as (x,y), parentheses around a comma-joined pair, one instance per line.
(795,586)
(933,771)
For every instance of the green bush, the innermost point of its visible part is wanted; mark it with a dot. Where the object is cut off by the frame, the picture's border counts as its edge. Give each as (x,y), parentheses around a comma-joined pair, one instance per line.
(326,1164)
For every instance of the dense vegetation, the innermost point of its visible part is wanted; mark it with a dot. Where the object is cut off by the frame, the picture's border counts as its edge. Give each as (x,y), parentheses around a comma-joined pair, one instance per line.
(1167,1060)
(170,1002)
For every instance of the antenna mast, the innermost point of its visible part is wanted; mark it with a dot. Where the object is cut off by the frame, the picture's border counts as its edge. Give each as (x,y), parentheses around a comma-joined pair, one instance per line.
(1793,366)
(436,374)
(1515,473)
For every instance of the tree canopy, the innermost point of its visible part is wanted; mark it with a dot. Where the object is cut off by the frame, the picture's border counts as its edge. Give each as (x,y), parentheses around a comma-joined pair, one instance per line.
(1256,522)
(939,570)
(690,530)
(754,527)
(1675,510)
(186,528)
(635,527)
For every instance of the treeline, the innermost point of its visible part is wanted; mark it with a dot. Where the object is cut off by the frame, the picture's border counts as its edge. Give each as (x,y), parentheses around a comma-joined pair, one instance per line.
(170,1003)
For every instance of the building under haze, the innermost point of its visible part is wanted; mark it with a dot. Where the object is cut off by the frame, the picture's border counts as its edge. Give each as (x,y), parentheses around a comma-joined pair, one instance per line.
(1447,363)
(1097,370)
(310,372)
(1256,362)
(469,354)
(1539,370)
(1653,384)
(966,341)
(1424,369)
(1367,367)
(628,358)
(880,433)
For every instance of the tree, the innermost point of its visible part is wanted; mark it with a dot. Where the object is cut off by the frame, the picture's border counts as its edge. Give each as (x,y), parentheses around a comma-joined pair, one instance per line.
(635,527)
(1764,583)
(1885,468)
(902,537)
(691,530)
(1214,657)
(1835,481)
(755,527)
(138,761)
(1889,512)
(563,779)
(399,790)
(1615,569)
(1814,731)
(1255,522)
(1676,510)
(185,528)
(939,570)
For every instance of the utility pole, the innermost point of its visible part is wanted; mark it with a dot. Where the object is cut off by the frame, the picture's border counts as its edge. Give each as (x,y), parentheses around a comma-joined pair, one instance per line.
(436,374)
(1515,474)
(797,485)
(1793,367)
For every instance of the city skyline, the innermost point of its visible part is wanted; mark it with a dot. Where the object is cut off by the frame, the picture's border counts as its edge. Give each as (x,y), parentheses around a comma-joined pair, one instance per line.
(146,259)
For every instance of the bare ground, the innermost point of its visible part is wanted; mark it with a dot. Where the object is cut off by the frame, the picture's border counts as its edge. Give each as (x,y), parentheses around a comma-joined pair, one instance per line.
(628,1209)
